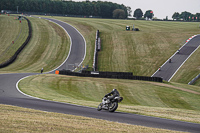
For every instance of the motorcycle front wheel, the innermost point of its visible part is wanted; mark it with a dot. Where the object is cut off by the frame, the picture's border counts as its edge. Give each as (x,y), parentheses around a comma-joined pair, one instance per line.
(99,108)
(113,107)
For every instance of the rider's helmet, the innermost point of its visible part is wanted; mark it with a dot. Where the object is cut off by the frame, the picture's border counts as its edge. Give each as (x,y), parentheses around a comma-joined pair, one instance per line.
(114,89)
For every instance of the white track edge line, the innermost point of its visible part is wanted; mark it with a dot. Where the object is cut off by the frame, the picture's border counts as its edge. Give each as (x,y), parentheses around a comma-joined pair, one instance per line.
(174,55)
(17,84)
(71,44)
(184,62)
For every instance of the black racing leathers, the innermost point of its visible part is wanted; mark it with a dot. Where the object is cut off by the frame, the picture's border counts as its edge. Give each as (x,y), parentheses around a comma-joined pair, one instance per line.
(112,94)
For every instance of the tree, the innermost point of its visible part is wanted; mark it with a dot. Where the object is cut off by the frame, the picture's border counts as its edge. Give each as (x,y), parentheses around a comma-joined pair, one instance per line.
(129,11)
(119,14)
(138,13)
(198,16)
(148,14)
(176,16)
(185,16)
(84,8)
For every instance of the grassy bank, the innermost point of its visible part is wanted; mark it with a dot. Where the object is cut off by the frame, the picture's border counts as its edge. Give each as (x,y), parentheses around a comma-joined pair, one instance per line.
(173,101)
(139,52)
(11,30)
(16,119)
(48,48)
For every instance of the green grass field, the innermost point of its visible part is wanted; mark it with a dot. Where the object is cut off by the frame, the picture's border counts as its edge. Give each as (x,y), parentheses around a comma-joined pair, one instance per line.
(11,30)
(48,48)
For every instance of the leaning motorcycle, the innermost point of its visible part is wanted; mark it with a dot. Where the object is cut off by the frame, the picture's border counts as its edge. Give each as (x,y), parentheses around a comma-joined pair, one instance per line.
(111,106)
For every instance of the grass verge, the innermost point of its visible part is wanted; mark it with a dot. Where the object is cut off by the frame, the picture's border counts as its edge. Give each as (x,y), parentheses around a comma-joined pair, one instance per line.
(17,119)
(173,101)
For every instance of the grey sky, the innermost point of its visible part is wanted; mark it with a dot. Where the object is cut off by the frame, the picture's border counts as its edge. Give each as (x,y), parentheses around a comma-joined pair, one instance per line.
(161,8)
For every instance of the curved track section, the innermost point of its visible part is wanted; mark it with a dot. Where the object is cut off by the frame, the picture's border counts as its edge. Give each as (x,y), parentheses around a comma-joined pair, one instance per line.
(9,95)
(77,50)
(168,70)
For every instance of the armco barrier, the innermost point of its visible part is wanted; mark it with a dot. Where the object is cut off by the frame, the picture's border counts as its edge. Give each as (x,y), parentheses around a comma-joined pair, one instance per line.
(115,75)
(13,58)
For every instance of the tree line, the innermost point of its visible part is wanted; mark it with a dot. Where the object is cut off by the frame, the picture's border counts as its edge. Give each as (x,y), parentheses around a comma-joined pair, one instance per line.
(84,8)
(186,16)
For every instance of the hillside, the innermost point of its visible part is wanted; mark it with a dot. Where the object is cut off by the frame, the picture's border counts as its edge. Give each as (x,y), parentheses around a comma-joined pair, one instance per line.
(141,52)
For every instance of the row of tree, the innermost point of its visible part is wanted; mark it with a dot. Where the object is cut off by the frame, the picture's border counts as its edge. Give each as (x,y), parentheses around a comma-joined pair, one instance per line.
(138,14)
(186,16)
(85,8)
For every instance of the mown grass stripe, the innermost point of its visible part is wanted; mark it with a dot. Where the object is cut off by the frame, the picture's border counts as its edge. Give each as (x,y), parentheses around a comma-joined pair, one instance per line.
(47,49)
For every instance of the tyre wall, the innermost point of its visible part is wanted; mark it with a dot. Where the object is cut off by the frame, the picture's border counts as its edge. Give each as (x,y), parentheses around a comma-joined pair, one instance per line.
(114,75)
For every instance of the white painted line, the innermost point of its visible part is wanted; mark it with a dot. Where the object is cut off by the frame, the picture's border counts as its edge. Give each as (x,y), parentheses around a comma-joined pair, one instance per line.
(69,50)
(70,45)
(183,63)
(17,84)
(44,99)
(173,56)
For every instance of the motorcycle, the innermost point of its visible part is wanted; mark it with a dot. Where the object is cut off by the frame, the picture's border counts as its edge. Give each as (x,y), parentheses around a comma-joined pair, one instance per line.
(111,106)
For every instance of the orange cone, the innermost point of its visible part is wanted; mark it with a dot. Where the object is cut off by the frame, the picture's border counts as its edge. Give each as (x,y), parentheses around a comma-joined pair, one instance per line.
(57,72)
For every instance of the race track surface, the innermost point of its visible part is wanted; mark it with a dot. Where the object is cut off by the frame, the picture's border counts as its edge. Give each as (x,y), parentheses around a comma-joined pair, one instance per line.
(168,70)
(77,50)
(11,96)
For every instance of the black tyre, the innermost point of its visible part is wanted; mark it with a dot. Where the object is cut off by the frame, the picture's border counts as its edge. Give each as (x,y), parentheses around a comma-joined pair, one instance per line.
(113,107)
(99,108)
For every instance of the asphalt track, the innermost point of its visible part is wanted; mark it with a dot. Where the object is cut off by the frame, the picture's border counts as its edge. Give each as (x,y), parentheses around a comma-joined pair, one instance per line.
(168,70)
(9,94)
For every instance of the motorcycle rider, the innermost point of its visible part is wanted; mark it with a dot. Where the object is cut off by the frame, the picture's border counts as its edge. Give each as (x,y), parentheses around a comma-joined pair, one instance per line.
(110,96)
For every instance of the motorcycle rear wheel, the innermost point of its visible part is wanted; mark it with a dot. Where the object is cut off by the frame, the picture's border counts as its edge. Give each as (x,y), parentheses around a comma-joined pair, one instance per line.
(99,108)
(113,107)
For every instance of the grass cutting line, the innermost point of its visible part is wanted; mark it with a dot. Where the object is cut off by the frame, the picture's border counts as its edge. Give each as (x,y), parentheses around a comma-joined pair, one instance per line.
(12,43)
(48,47)
(17,42)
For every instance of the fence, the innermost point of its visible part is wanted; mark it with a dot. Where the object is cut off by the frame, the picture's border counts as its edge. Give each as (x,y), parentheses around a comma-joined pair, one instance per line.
(114,75)
(13,58)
